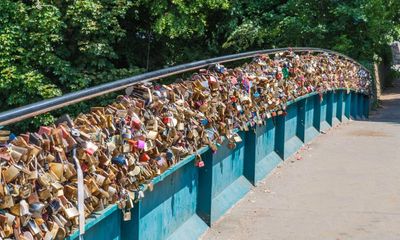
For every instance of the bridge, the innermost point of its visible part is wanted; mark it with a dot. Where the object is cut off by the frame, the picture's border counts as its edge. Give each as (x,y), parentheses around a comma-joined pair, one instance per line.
(311,163)
(342,185)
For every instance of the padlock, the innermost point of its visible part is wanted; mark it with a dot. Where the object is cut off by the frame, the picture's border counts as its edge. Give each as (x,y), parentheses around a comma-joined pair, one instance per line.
(127,215)
(124,145)
(144,157)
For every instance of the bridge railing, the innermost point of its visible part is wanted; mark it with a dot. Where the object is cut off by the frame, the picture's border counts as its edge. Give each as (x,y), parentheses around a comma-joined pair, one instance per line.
(186,200)
(31,110)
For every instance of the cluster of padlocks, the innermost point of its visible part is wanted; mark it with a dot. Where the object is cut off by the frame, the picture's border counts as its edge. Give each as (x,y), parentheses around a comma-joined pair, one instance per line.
(121,147)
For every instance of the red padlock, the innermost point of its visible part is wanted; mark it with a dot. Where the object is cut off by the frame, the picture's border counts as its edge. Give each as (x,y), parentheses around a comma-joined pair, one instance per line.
(166,120)
(278,75)
(144,157)
(84,167)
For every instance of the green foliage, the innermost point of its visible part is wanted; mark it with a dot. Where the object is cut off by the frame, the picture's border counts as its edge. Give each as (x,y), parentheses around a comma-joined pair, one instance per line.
(26,53)
(360,28)
(179,18)
(49,48)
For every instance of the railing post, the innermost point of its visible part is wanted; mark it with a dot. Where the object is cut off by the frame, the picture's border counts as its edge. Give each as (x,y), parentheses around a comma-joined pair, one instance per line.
(360,106)
(290,130)
(329,107)
(204,201)
(354,105)
(280,136)
(301,118)
(336,114)
(347,105)
(132,229)
(366,106)
(340,105)
(326,113)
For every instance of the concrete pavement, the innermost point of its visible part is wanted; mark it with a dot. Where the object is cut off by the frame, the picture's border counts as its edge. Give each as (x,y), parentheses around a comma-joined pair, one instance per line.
(345,184)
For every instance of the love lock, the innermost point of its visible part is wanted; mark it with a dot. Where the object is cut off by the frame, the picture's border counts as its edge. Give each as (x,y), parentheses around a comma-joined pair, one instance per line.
(121,147)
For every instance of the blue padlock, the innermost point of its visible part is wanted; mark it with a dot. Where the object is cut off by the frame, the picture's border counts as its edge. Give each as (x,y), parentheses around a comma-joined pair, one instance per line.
(120,160)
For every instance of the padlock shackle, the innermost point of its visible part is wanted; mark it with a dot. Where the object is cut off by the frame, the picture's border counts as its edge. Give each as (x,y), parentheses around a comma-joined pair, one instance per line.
(34,109)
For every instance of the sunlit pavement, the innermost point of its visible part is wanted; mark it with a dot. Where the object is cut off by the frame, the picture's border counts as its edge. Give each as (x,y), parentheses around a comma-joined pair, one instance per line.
(345,184)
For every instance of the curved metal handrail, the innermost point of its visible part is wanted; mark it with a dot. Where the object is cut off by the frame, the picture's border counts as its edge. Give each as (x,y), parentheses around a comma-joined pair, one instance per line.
(34,109)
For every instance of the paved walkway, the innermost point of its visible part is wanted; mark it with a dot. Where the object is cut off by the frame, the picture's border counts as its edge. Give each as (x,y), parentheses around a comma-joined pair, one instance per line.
(346,185)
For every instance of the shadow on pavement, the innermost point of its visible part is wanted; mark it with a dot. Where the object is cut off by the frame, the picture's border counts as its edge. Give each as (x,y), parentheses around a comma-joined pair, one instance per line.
(389,111)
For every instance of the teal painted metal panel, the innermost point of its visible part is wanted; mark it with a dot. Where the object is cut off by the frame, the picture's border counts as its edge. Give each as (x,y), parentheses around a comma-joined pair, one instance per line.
(227,165)
(204,201)
(354,106)
(301,118)
(261,147)
(340,105)
(293,128)
(324,112)
(280,136)
(312,118)
(366,106)
(335,108)
(323,106)
(102,226)
(360,109)
(329,107)
(169,208)
(222,180)
(193,228)
(108,229)
(347,105)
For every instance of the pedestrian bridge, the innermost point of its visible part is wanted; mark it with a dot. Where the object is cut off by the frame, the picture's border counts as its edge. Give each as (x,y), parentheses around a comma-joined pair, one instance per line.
(187,201)
(342,185)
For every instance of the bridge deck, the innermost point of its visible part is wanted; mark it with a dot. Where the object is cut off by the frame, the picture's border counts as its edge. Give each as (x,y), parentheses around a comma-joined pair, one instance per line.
(345,186)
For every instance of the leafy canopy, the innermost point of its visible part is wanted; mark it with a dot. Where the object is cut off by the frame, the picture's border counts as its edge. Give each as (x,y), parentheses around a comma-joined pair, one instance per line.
(49,48)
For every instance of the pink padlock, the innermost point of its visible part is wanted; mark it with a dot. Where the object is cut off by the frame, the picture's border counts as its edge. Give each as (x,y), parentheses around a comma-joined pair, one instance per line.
(64,132)
(141,144)
(200,164)
(46,130)
(136,123)
(234,80)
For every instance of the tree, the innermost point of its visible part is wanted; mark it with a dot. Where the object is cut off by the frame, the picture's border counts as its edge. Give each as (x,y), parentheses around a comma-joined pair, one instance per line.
(49,48)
